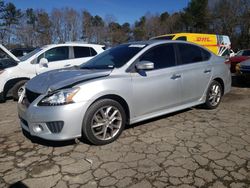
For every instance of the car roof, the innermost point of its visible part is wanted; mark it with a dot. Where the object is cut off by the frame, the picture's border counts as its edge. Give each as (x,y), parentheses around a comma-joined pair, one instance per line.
(155,42)
(73,44)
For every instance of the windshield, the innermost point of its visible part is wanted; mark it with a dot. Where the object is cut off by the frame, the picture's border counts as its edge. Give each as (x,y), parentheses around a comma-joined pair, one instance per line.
(114,58)
(28,55)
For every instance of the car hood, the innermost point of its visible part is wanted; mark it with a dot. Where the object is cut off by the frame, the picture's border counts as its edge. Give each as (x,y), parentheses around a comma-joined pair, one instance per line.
(8,53)
(9,61)
(57,79)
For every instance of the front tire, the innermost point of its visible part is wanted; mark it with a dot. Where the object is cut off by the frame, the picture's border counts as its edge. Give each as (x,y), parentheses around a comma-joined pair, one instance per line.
(18,89)
(214,95)
(104,121)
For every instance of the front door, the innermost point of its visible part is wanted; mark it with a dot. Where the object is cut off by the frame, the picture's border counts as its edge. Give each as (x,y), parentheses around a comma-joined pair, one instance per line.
(158,89)
(57,57)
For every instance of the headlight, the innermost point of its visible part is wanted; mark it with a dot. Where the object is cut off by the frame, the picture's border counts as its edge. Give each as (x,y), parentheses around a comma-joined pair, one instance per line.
(61,97)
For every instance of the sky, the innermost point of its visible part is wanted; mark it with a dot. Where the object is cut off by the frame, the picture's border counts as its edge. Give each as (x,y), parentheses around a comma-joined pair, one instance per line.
(122,10)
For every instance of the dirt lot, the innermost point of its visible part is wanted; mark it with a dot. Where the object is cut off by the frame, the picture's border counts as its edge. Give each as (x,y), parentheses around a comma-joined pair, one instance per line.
(192,148)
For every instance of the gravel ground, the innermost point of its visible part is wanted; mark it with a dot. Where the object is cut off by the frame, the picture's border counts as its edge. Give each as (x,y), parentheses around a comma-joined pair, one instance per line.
(192,148)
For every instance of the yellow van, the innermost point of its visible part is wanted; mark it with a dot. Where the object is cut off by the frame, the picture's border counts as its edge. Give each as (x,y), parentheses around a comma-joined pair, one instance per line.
(218,44)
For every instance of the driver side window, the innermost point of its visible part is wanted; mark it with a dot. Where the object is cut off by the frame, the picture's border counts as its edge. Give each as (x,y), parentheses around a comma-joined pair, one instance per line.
(162,56)
(55,54)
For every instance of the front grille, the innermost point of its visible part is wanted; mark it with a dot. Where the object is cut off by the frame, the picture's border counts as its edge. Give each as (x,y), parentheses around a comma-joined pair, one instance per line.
(31,96)
(55,126)
(24,122)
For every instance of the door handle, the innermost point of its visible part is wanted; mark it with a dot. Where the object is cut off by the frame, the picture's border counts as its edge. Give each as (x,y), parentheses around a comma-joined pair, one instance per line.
(175,76)
(207,71)
(67,65)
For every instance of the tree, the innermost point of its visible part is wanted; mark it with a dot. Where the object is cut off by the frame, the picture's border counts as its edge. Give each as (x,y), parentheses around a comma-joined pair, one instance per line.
(244,26)
(119,33)
(86,25)
(57,28)
(1,6)
(139,29)
(97,29)
(43,28)
(2,29)
(196,16)
(26,28)
(231,18)
(70,24)
(10,18)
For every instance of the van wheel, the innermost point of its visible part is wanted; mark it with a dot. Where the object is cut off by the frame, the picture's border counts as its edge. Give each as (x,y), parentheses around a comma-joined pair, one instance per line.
(104,121)
(18,89)
(214,95)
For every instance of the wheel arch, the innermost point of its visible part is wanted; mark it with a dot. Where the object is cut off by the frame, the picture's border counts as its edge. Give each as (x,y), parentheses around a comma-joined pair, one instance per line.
(118,99)
(10,83)
(221,82)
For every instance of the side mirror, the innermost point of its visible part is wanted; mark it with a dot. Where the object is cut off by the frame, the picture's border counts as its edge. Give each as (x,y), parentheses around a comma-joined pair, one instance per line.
(144,65)
(43,62)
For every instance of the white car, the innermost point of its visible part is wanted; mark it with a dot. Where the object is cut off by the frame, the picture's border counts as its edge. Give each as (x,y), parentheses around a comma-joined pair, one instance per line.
(15,72)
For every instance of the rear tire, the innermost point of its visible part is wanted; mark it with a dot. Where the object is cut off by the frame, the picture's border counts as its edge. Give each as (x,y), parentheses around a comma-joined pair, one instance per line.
(214,95)
(17,89)
(104,121)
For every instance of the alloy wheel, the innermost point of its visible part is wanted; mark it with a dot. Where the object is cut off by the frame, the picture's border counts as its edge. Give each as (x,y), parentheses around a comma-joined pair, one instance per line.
(214,95)
(19,91)
(106,123)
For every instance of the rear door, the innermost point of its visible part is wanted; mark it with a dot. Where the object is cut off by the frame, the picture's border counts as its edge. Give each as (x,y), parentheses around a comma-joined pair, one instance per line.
(196,71)
(157,89)
(57,57)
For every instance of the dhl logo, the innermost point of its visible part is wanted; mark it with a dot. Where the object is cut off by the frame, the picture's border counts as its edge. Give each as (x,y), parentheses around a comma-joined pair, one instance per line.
(203,39)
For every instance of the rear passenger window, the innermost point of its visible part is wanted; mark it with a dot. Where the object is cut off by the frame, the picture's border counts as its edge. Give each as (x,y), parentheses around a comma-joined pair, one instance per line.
(162,56)
(81,52)
(190,53)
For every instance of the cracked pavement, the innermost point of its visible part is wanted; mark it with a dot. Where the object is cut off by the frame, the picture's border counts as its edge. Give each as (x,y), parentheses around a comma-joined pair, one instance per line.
(192,148)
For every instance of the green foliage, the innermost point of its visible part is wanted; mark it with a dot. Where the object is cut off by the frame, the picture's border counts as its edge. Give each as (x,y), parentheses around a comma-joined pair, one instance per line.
(196,16)
(10,15)
(31,16)
(164,17)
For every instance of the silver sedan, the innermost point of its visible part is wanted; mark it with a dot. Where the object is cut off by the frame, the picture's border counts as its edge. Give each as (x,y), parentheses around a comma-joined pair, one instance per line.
(124,85)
